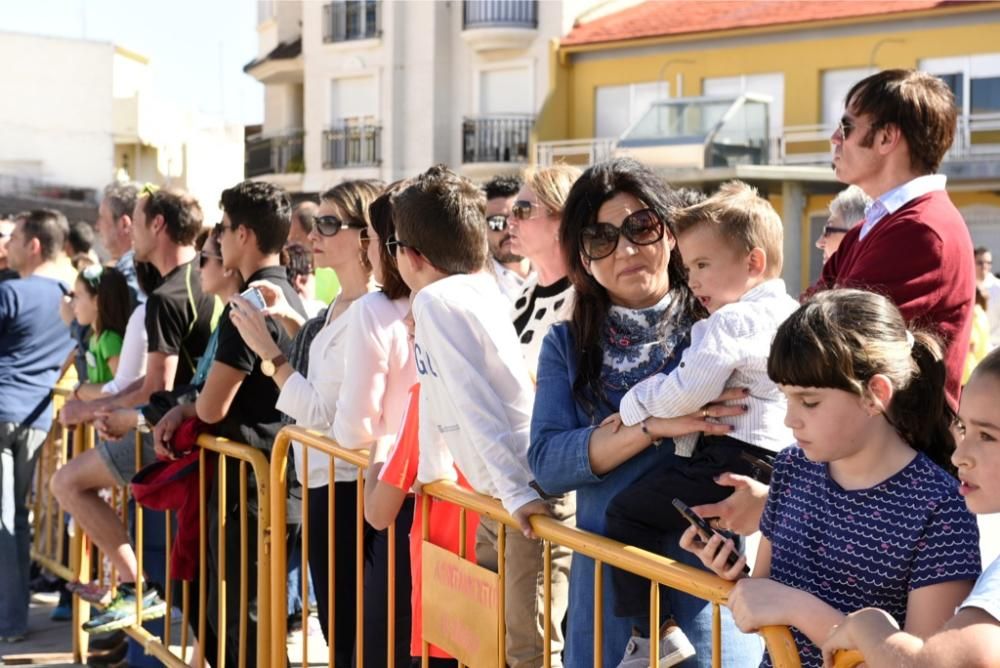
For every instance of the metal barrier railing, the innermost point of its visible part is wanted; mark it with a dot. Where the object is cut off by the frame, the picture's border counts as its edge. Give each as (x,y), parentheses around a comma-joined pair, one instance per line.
(77,563)
(658,569)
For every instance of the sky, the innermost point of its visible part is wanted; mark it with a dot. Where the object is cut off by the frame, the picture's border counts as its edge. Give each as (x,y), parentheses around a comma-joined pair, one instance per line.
(196,48)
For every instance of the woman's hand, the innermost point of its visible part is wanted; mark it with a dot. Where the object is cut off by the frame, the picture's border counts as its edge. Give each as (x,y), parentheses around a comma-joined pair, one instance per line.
(252,326)
(740,511)
(700,420)
(715,553)
(278,307)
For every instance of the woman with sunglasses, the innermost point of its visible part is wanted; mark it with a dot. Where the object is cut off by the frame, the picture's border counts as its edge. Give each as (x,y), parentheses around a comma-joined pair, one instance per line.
(547,296)
(339,241)
(631,319)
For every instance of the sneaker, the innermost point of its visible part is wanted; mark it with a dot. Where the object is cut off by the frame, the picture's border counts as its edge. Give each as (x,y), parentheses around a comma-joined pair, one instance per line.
(121,611)
(61,613)
(103,643)
(674,648)
(92,592)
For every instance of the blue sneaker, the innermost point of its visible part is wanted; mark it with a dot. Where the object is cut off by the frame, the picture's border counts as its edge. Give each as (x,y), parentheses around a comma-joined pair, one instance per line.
(121,611)
(61,613)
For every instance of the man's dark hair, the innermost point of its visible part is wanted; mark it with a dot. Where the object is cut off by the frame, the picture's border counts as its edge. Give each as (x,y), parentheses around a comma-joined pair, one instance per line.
(920,104)
(263,208)
(297,261)
(305,213)
(980,250)
(690,196)
(181,214)
(81,237)
(442,215)
(49,227)
(503,185)
(121,199)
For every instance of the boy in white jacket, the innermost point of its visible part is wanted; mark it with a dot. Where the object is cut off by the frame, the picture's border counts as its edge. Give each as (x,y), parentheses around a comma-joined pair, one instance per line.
(476,395)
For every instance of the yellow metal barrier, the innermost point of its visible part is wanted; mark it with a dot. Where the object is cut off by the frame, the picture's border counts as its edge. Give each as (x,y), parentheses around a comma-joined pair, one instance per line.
(656,568)
(48,548)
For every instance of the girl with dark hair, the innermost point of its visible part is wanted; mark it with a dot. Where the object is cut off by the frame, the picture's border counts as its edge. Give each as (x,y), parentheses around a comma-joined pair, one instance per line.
(631,319)
(101,299)
(861,511)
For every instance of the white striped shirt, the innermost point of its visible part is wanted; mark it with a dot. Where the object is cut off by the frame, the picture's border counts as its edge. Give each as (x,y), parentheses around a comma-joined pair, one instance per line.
(728,349)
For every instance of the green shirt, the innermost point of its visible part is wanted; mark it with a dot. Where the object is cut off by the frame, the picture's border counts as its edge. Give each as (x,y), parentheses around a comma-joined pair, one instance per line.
(101,349)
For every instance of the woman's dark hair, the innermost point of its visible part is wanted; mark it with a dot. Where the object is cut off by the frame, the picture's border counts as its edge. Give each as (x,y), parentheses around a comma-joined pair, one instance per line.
(594,187)
(114,300)
(297,261)
(380,212)
(148,277)
(840,339)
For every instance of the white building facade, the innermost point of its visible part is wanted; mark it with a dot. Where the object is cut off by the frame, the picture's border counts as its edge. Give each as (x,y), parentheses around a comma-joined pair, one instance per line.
(384,89)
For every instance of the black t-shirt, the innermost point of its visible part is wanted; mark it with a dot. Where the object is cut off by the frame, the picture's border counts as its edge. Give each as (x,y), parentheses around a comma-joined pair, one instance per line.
(253,418)
(179,319)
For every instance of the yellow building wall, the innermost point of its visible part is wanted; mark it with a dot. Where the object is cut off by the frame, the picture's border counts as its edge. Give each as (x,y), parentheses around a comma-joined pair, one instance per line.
(569,113)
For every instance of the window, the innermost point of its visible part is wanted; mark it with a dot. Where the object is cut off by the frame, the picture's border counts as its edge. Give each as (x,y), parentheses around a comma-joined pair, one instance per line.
(618,107)
(975,80)
(353,97)
(836,84)
(772,85)
(345,20)
(506,91)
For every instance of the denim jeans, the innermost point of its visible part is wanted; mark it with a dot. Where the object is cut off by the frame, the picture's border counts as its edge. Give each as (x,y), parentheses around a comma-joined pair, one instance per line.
(19,448)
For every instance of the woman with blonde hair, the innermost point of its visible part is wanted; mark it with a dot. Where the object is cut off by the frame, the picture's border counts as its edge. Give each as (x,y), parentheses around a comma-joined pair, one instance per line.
(534,231)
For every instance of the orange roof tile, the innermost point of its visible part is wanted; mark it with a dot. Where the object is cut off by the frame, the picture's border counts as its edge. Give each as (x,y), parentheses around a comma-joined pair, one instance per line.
(658,18)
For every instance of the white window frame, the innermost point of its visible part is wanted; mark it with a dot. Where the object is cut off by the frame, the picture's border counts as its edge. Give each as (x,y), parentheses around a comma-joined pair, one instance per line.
(477,81)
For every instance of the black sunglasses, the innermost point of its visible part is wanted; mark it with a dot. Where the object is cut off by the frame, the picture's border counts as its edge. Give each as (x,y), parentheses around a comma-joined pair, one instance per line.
(523,209)
(204,257)
(330,226)
(497,223)
(833,229)
(600,240)
(392,244)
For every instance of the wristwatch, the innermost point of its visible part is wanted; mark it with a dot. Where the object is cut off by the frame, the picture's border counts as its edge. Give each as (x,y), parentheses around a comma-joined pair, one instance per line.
(270,367)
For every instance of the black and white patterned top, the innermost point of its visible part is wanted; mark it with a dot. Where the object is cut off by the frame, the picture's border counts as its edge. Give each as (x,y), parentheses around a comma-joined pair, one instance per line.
(536,310)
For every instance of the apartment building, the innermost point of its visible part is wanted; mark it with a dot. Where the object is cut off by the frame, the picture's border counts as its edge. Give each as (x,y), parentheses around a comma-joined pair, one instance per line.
(384,89)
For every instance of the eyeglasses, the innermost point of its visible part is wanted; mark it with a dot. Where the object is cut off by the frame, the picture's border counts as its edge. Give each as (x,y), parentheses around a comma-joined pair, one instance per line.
(392,244)
(204,257)
(845,127)
(984,263)
(497,223)
(833,229)
(222,227)
(522,209)
(642,228)
(330,226)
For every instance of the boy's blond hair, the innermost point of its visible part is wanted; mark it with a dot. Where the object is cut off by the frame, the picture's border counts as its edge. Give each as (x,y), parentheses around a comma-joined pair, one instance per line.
(743,218)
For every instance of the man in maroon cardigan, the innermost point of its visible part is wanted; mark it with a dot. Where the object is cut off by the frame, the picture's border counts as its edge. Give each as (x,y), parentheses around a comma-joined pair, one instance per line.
(913,245)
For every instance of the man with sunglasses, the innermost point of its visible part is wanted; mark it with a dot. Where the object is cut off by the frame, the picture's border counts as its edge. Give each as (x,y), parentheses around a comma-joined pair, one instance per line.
(846,210)
(913,245)
(512,270)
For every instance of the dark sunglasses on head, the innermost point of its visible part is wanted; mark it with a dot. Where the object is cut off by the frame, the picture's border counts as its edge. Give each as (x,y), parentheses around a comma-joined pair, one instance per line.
(833,229)
(522,209)
(330,226)
(600,240)
(497,223)
(204,257)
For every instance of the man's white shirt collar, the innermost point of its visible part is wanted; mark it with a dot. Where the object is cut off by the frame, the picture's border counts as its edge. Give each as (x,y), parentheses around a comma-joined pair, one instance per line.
(892,201)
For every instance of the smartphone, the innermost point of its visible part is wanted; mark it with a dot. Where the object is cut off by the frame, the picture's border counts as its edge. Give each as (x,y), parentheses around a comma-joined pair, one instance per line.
(705,530)
(254,296)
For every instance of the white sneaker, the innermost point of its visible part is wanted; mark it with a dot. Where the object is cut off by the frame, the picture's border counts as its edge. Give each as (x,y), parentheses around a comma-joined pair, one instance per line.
(674,648)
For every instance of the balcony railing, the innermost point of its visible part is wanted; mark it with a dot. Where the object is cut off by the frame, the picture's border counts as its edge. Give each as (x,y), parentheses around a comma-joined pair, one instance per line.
(274,154)
(345,20)
(499,14)
(352,143)
(496,138)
